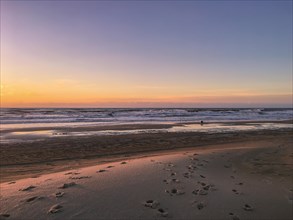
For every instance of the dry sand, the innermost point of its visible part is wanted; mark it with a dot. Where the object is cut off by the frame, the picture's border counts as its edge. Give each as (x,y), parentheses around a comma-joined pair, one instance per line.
(242,180)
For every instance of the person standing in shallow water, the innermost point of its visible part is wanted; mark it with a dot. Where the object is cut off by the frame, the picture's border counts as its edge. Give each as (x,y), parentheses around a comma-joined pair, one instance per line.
(201,122)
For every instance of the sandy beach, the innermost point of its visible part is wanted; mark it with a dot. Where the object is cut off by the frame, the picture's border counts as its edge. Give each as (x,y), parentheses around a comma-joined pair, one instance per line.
(146,110)
(53,153)
(240,176)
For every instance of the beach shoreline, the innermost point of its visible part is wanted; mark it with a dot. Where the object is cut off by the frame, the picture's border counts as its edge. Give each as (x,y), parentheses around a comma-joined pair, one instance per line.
(130,126)
(31,159)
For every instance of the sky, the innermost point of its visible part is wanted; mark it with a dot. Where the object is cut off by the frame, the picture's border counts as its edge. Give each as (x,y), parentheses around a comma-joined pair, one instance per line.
(146,53)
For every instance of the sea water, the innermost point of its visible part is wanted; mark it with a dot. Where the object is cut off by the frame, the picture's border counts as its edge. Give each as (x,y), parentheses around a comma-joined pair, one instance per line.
(182,119)
(59,116)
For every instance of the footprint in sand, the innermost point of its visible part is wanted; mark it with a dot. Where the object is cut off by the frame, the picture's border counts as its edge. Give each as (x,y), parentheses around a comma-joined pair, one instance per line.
(59,194)
(175,180)
(202,176)
(73,173)
(200,192)
(110,167)
(4,216)
(79,177)
(34,198)
(123,162)
(29,188)
(173,174)
(55,208)
(67,185)
(191,167)
(168,181)
(11,182)
(234,217)
(154,204)
(247,207)
(101,171)
(162,212)
(175,192)
(170,165)
(187,175)
(151,204)
(205,188)
(200,205)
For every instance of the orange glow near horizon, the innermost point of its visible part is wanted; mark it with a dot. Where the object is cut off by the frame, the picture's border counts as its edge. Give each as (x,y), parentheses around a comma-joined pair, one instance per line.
(114,54)
(70,94)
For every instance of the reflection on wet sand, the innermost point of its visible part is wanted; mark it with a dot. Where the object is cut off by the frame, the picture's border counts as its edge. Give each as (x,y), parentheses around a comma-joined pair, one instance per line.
(39,134)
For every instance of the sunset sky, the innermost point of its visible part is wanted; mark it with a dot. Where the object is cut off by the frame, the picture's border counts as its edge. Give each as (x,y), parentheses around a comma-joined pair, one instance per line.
(146,54)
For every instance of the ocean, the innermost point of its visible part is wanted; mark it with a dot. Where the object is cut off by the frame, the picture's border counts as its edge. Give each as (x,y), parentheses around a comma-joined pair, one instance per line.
(29,124)
(33,116)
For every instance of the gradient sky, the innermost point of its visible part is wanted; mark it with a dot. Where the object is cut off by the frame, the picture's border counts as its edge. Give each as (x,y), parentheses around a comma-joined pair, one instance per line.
(146,54)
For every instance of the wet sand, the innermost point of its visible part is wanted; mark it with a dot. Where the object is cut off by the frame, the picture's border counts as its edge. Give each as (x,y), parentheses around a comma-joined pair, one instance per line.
(85,128)
(126,126)
(26,159)
(245,179)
